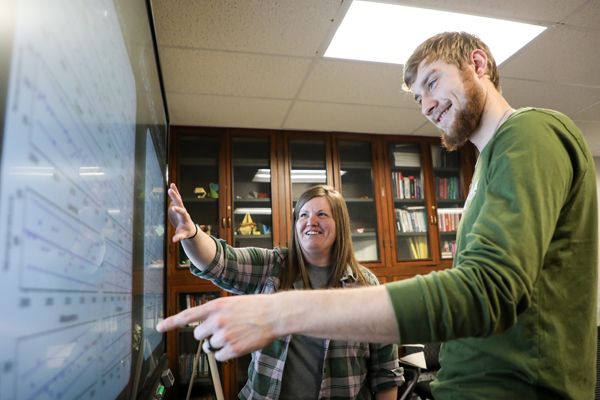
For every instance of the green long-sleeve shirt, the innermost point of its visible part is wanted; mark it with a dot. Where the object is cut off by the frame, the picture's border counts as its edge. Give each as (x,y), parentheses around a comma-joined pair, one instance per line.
(517,311)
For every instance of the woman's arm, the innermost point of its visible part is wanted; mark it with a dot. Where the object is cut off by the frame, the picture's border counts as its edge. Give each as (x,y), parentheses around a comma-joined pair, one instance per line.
(389,394)
(200,249)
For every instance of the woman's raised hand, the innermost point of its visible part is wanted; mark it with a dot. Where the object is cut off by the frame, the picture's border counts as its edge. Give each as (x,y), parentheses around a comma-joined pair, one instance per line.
(179,217)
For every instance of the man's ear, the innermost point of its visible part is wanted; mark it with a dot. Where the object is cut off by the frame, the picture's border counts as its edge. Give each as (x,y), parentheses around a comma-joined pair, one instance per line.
(479,60)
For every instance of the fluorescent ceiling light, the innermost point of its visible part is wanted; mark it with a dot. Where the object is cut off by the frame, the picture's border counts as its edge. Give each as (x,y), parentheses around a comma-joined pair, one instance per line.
(389,33)
(252,210)
(297,175)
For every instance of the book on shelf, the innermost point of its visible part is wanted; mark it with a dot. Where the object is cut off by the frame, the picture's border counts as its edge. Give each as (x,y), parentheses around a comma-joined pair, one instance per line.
(196,299)
(449,249)
(407,159)
(186,366)
(448,188)
(406,187)
(444,159)
(449,219)
(410,220)
(418,246)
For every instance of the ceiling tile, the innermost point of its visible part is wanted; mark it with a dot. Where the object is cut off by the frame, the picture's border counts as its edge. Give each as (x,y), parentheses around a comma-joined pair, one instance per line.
(561,54)
(342,81)
(223,111)
(518,10)
(351,118)
(227,73)
(427,129)
(591,133)
(590,114)
(259,26)
(568,99)
(588,16)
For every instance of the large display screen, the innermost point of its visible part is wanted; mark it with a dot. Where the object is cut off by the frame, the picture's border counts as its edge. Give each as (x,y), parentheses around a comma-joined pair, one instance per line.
(82,199)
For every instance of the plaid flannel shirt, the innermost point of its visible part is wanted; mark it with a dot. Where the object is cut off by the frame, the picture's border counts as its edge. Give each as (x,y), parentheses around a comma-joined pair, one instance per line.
(351,370)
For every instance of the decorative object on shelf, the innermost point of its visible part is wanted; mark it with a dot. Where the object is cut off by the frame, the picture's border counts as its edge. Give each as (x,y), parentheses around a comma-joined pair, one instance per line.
(360,230)
(200,192)
(206,228)
(262,228)
(252,194)
(185,263)
(247,226)
(263,195)
(364,197)
(214,190)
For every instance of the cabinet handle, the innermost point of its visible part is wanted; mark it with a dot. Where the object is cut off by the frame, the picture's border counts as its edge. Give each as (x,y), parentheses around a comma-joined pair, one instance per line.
(433,219)
(223,223)
(229,222)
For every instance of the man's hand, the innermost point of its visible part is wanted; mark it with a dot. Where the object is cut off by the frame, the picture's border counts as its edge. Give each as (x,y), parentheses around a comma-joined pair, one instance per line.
(235,325)
(179,217)
(241,324)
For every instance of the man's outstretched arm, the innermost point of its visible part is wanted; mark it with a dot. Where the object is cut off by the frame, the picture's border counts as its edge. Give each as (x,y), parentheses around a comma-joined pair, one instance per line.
(241,324)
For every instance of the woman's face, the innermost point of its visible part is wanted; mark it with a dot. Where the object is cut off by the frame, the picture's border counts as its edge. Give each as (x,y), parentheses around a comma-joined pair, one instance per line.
(315,229)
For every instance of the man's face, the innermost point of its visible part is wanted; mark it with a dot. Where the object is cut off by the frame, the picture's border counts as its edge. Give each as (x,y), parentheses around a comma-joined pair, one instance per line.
(451,99)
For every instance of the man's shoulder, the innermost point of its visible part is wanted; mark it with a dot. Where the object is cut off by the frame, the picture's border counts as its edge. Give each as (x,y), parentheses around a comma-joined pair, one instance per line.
(535,115)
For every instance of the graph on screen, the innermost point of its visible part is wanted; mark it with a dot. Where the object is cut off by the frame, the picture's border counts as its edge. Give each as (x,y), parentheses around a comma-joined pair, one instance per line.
(66,202)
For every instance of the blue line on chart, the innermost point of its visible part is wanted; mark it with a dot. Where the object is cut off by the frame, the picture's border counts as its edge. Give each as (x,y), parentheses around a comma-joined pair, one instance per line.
(33,235)
(114,360)
(67,159)
(115,285)
(116,340)
(60,394)
(38,365)
(115,267)
(123,232)
(77,150)
(60,276)
(53,379)
(123,316)
(61,219)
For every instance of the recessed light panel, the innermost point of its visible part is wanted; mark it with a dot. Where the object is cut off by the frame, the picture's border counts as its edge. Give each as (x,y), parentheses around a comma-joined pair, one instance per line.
(389,33)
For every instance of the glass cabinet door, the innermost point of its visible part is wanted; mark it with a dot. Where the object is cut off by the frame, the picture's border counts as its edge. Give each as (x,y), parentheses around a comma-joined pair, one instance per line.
(408,189)
(252,212)
(356,171)
(449,196)
(199,184)
(188,353)
(308,165)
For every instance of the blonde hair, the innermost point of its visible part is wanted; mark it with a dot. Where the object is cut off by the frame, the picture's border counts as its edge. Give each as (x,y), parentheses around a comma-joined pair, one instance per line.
(453,48)
(343,252)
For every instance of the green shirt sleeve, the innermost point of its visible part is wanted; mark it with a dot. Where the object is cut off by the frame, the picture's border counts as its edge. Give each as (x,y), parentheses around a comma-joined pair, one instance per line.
(524,177)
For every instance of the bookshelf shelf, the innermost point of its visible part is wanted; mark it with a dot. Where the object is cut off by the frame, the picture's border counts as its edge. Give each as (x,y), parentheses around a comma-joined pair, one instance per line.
(409,234)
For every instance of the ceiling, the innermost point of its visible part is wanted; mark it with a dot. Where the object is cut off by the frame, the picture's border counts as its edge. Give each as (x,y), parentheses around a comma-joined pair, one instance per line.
(259,64)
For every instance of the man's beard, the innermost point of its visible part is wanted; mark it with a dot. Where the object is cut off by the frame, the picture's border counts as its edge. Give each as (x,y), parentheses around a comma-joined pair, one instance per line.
(467,120)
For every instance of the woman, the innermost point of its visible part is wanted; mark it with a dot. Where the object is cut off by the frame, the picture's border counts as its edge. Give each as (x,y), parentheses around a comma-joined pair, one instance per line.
(320,256)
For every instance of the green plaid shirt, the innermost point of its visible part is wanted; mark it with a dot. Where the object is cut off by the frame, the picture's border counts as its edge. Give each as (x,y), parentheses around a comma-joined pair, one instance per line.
(351,370)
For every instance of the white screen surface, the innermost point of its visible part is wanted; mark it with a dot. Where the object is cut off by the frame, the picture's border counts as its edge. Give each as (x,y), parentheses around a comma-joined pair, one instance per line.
(66,204)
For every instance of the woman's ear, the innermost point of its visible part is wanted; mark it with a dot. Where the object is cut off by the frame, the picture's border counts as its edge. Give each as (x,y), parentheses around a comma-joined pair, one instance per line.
(479,60)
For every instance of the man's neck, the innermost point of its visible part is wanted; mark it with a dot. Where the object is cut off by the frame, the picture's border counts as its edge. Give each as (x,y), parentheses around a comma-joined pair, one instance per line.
(495,112)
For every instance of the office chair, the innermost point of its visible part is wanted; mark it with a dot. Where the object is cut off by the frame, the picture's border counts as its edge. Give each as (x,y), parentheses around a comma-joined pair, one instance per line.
(432,360)
(425,376)
(411,377)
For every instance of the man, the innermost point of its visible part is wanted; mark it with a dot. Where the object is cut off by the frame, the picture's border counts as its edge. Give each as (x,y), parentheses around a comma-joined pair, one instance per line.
(517,309)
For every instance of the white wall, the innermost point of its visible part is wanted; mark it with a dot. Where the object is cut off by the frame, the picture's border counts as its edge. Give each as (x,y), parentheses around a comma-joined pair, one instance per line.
(597,163)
